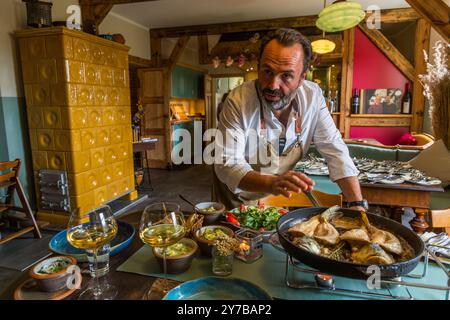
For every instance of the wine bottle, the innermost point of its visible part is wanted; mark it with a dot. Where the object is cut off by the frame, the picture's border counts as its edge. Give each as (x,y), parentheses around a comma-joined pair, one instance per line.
(330,102)
(355,102)
(406,106)
(336,101)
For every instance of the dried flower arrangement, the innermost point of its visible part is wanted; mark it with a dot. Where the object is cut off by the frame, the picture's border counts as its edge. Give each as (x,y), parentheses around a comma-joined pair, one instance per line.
(226,245)
(436,83)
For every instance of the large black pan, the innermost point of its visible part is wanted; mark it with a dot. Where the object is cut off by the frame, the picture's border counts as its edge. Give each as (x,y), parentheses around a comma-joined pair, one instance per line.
(348,269)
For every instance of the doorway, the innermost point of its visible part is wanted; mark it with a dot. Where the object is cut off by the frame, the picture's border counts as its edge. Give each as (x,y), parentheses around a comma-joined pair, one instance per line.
(222,86)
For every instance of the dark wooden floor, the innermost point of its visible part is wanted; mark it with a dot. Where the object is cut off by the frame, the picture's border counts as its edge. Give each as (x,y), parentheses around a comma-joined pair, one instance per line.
(193,182)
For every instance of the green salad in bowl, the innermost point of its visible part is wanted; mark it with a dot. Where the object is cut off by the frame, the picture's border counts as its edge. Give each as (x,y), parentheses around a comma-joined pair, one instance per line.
(259,217)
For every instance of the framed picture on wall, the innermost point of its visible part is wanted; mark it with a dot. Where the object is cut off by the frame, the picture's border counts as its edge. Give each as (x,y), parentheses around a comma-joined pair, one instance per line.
(381,101)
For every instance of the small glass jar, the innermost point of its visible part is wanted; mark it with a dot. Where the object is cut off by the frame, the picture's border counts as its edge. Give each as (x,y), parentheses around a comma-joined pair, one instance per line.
(250,245)
(221,265)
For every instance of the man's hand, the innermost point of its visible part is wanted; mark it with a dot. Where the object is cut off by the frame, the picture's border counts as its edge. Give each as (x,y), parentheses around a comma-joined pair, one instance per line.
(289,182)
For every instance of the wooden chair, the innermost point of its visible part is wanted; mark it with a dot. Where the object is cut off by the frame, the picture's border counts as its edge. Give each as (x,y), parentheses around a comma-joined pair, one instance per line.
(9,180)
(441,219)
(301,200)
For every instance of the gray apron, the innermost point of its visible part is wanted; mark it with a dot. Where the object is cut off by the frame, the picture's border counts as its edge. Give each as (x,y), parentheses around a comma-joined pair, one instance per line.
(279,165)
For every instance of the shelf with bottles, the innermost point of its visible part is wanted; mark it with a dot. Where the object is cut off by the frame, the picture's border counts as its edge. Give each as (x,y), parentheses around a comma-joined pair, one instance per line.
(381,103)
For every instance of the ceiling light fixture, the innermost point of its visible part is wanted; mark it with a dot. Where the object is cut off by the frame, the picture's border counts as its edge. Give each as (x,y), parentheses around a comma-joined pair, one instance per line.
(323,45)
(340,15)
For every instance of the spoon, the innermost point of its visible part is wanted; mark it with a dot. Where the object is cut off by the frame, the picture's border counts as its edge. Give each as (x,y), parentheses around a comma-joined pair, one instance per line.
(192,204)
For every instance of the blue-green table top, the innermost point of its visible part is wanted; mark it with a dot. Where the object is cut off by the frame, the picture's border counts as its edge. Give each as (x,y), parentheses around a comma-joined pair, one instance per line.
(269,273)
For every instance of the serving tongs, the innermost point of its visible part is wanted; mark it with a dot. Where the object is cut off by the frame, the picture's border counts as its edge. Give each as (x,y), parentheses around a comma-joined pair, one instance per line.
(312,198)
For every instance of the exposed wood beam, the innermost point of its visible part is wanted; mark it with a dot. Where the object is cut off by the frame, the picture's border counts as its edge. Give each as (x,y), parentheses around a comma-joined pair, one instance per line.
(347,80)
(203,50)
(95,2)
(389,15)
(397,15)
(93,15)
(177,51)
(155,51)
(422,42)
(390,51)
(219,28)
(139,62)
(435,12)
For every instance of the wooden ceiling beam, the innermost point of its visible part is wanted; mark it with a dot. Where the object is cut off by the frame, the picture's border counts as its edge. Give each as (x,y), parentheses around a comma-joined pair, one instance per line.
(219,28)
(113,2)
(177,51)
(387,16)
(156,51)
(435,12)
(203,49)
(93,15)
(138,62)
(422,43)
(397,15)
(390,51)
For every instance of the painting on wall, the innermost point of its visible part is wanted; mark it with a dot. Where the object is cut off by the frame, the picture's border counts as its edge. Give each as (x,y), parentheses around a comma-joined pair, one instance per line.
(381,101)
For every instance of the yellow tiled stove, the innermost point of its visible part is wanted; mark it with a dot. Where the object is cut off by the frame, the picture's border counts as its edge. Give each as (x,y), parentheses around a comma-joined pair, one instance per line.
(78,106)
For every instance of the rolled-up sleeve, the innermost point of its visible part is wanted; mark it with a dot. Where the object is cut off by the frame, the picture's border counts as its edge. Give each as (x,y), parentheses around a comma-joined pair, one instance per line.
(330,145)
(232,166)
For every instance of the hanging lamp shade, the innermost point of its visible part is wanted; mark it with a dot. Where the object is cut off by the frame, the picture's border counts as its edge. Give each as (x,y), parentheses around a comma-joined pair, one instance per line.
(341,15)
(322,46)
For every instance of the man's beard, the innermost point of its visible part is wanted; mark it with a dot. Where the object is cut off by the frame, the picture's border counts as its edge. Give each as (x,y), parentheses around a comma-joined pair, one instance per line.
(284,101)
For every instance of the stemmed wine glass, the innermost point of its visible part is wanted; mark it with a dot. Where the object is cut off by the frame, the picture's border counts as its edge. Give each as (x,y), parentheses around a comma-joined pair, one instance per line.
(162,224)
(91,231)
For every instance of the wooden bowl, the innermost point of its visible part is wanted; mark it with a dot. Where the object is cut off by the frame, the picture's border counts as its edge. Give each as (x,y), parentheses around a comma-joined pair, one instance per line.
(206,245)
(52,282)
(180,263)
(210,217)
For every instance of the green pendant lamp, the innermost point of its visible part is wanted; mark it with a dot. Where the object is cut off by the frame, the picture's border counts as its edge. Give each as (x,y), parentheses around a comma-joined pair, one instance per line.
(340,15)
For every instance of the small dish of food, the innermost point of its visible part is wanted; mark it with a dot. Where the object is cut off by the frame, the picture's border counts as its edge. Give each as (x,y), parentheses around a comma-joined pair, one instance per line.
(51,274)
(179,256)
(211,211)
(205,236)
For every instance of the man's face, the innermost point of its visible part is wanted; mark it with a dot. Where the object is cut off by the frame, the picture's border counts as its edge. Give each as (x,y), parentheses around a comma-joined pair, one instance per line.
(377,99)
(280,73)
(387,99)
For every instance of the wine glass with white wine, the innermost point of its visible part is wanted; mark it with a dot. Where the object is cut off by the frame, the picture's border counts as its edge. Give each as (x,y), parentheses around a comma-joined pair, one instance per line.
(91,231)
(162,224)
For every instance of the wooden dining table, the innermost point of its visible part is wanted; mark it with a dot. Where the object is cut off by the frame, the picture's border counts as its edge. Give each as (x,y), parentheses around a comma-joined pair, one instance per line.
(402,195)
(130,286)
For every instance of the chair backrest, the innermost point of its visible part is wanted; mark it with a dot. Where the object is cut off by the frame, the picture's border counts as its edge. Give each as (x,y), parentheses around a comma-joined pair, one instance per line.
(441,219)
(9,171)
(423,138)
(301,200)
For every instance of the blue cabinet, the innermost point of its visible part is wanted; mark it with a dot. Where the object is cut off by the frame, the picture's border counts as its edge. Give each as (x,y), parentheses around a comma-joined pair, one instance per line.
(177,138)
(187,83)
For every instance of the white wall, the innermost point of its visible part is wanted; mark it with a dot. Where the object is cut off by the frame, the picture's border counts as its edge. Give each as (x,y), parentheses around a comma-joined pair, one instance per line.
(137,36)
(12,17)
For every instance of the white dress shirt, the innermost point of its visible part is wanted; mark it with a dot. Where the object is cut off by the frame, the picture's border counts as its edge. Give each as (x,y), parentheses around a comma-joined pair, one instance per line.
(241,116)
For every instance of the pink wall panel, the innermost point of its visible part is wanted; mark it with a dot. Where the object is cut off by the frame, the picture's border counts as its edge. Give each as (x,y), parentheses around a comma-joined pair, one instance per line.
(372,70)
(385,135)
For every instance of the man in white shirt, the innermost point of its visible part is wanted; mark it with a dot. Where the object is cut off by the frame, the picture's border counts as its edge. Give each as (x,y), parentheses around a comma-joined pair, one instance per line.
(287,113)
